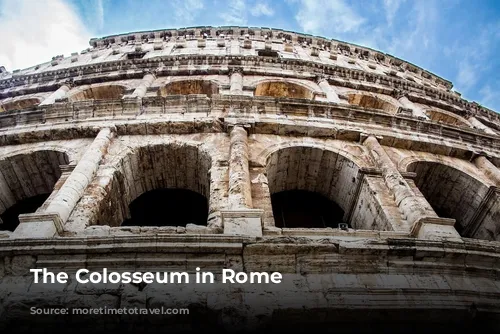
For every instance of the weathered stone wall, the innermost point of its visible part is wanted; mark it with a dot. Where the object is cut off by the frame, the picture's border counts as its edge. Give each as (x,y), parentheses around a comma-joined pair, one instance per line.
(235,118)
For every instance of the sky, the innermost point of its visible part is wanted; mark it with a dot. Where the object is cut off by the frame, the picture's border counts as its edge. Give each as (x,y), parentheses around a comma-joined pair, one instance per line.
(458,40)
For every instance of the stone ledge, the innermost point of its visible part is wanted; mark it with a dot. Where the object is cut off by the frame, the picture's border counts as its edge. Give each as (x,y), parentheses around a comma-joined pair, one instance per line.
(35,225)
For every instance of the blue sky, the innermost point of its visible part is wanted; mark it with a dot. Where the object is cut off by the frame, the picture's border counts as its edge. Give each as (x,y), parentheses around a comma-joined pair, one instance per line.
(456,39)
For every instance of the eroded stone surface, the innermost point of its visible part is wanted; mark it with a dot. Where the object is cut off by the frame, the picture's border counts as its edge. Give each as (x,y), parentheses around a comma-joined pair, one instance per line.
(237,115)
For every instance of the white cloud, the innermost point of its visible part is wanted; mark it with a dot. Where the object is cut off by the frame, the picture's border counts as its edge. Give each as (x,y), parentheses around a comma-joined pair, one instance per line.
(467,74)
(488,95)
(261,9)
(325,16)
(235,13)
(391,7)
(186,11)
(32,32)
(100,14)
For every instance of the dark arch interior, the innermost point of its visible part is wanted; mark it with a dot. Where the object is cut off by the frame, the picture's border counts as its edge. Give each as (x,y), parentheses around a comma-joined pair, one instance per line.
(108,92)
(10,217)
(168,207)
(188,87)
(19,104)
(451,192)
(283,89)
(371,102)
(27,181)
(307,209)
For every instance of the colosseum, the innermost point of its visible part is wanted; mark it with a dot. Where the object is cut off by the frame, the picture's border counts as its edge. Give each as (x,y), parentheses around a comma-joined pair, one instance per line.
(365,180)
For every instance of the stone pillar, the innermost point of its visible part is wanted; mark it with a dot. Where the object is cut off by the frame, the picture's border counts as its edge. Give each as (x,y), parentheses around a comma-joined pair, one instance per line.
(331,95)
(477,124)
(51,220)
(488,168)
(419,214)
(240,219)
(417,111)
(146,82)
(236,81)
(58,94)
(240,195)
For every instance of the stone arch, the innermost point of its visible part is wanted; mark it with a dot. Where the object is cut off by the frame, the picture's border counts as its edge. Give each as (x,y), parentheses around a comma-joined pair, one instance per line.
(489,123)
(371,101)
(457,194)
(283,88)
(70,157)
(158,168)
(465,166)
(188,87)
(310,175)
(308,84)
(26,181)
(443,116)
(97,92)
(19,104)
(262,158)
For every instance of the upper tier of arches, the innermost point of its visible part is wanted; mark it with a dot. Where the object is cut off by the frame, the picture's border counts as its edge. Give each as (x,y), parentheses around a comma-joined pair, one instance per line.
(248,85)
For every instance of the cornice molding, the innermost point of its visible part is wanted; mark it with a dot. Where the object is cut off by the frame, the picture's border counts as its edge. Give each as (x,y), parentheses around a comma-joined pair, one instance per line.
(135,68)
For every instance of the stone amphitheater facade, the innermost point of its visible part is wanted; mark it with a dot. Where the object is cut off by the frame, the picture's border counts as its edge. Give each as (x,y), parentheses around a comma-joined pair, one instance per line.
(408,169)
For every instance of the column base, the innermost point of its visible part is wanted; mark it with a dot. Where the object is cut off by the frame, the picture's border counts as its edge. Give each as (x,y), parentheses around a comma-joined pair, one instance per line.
(131,105)
(247,222)
(38,225)
(435,228)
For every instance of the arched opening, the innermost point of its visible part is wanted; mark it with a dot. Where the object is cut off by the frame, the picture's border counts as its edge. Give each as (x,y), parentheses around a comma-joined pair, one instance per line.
(109,92)
(300,208)
(447,118)
(283,89)
(489,123)
(159,185)
(183,207)
(19,104)
(455,194)
(311,187)
(371,102)
(188,87)
(26,181)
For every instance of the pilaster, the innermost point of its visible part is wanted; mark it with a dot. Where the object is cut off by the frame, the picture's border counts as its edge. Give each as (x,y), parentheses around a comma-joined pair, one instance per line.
(236,81)
(477,124)
(424,222)
(331,95)
(50,221)
(241,218)
(58,94)
(402,97)
(487,167)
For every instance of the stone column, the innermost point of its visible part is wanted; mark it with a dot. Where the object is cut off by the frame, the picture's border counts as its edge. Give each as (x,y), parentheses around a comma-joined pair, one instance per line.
(58,94)
(419,214)
(417,111)
(488,168)
(477,124)
(51,220)
(132,103)
(240,219)
(236,81)
(146,82)
(240,194)
(331,95)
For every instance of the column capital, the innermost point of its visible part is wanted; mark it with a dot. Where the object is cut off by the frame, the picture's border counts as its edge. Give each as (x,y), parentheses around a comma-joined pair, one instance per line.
(363,136)
(247,126)
(238,70)
(68,82)
(399,93)
(477,154)
(321,77)
(149,72)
